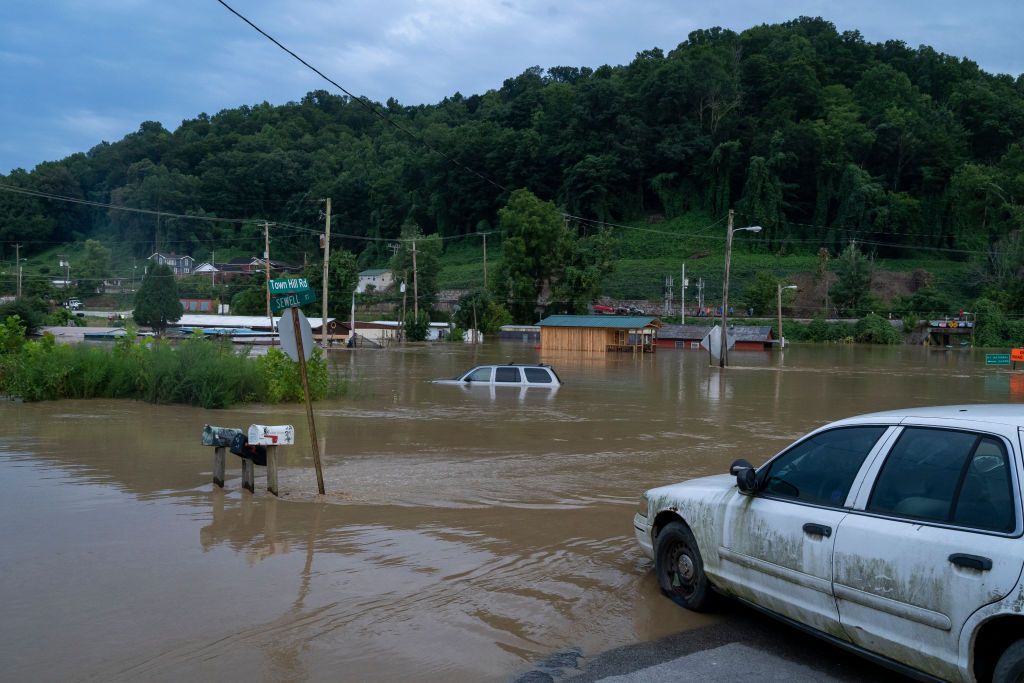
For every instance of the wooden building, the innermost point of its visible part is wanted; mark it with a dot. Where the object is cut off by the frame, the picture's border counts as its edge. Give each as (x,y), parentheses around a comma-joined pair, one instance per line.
(598,333)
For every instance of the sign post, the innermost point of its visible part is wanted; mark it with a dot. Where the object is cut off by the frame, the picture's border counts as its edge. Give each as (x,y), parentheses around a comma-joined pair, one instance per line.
(291,293)
(997,359)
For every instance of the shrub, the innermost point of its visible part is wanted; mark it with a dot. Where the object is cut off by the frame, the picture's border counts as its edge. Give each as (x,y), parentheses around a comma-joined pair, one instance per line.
(874,329)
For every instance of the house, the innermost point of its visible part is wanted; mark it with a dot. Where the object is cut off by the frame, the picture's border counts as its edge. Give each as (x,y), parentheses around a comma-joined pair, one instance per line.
(599,333)
(380,279)
(747,337)
(179,265)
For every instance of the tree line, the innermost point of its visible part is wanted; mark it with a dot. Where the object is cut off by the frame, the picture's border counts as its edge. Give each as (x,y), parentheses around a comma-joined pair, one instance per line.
(818,135)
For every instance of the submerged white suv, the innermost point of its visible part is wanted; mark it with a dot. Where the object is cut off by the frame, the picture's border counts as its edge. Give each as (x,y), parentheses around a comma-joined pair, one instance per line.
(511,374)
(896,534)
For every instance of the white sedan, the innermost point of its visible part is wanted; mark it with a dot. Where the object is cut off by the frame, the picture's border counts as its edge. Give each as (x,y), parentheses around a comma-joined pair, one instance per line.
(896,534)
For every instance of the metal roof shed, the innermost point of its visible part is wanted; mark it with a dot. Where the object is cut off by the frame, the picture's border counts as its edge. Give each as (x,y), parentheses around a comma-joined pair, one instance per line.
(598,333)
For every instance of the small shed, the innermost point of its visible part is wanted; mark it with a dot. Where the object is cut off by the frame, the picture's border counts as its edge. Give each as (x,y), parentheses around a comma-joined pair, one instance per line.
(748,337)
(598,333)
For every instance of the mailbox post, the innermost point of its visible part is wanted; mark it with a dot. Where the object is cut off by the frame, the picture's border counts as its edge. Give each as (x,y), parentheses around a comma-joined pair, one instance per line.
(271,436)
(220,438)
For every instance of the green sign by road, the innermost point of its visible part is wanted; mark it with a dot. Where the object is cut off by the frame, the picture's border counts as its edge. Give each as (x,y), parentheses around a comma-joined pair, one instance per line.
(288,285)
(300,298)
(997,359)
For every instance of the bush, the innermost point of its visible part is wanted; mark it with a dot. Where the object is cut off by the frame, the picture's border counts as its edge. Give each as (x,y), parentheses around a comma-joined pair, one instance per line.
(874,329)
(201,372)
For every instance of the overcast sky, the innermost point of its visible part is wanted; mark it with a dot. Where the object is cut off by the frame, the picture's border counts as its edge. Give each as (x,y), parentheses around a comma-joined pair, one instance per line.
(77,72)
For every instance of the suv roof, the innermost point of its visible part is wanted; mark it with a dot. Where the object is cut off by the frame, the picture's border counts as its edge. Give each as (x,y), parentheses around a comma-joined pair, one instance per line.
(1003,413)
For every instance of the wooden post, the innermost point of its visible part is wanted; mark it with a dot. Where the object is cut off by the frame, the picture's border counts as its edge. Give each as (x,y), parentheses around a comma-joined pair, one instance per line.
(248,475)
(272,470)
(309,405)
(219,456)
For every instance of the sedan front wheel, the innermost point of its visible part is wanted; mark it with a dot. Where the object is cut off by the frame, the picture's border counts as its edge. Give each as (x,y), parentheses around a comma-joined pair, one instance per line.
(680,568)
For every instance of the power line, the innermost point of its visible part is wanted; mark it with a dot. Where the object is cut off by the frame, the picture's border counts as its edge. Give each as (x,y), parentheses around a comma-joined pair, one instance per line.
(366,105)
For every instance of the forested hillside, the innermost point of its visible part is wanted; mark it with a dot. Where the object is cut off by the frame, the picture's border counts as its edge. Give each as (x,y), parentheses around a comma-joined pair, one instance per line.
(817,135)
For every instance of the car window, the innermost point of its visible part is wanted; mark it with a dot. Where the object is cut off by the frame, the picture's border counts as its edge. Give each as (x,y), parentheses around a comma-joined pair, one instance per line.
(506,375)
(479,375)
(537,376)
(946,476)
(821,469)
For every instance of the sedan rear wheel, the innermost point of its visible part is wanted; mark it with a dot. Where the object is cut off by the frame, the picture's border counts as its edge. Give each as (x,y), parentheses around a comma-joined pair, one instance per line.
(1010,667)
(680,568)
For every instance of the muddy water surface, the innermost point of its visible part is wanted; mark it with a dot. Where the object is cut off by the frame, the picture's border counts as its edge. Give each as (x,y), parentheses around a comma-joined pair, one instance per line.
(466,533)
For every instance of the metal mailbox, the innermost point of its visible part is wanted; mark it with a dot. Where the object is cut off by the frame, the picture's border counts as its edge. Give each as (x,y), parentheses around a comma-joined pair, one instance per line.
(219,436)
(271,435)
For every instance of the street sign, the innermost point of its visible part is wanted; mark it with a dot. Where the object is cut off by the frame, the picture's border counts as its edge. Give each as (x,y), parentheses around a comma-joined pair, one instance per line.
(1017,355)
(300,298)
(286,332)
(997,359)
(289,285)
(712,341)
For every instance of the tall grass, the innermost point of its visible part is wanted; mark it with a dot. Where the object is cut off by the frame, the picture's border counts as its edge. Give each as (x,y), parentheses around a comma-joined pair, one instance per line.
(199,372)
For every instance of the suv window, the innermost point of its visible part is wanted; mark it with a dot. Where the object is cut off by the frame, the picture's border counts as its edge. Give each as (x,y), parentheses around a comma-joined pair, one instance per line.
(480,375)
(821,469)
(947,476)
(537,376)
(506,375)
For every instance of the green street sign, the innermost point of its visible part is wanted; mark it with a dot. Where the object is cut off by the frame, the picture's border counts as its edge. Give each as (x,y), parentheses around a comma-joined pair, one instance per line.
(997,359)
(300,298)
(288,285)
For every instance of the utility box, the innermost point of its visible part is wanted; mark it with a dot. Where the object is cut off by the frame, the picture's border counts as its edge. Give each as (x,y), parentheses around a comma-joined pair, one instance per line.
(271,435)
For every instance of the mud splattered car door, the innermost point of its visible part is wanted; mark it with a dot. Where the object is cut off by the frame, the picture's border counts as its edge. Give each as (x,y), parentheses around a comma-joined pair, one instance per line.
(777,544)
(934,536)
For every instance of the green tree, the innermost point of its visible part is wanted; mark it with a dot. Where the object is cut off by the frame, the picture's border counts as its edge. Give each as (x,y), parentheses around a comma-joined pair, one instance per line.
(156,302)
(251,299)
(587,264)
(342,278)
(852,290)
(480,307)
(428,264)
(762,293)
(535,249)
(93,267)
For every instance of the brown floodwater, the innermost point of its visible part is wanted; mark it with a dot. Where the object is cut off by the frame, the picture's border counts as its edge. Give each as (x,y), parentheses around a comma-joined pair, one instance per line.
(466,534)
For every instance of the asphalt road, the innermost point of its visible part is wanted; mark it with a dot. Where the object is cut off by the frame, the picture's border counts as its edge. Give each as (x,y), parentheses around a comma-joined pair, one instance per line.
(745,646)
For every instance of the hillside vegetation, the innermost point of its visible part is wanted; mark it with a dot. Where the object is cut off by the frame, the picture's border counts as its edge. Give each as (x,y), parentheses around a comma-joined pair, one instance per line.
(818,136)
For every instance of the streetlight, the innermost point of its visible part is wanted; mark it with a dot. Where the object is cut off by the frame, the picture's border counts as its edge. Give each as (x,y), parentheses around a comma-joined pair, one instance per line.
(725,285)
(782,340)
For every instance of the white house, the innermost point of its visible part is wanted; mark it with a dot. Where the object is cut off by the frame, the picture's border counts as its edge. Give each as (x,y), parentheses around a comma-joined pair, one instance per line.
(380,279)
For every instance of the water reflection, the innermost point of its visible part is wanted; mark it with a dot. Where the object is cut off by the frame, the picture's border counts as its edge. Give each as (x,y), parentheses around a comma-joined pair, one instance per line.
(466,531)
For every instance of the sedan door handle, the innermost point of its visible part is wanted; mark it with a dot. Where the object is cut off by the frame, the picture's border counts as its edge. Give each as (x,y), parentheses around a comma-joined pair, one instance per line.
(971,561)
(817,530)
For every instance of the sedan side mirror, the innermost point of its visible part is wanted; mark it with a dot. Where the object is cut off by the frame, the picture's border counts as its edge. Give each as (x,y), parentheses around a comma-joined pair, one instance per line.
(746,475)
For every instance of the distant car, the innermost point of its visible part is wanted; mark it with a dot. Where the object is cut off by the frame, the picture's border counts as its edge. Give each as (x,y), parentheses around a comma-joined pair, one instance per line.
(512,374)
(896,534)
(601,309)
(73,304)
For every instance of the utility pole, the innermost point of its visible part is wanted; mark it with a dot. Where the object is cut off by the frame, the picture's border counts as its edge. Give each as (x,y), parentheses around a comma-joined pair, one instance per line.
(17,264)
(485,260)
(266,263)
(415,286)
(682,295)
(327,254)
(724,348)
(405,295)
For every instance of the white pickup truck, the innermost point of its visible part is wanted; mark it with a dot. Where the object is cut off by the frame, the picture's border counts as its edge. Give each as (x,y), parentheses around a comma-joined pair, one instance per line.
(896,534)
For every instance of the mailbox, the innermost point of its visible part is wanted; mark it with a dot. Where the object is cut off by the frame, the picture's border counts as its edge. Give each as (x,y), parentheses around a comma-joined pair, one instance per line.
(219,436)
(271,435)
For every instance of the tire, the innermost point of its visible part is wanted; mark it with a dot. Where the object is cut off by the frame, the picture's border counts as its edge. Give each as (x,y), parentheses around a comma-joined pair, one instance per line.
(680,568)
(1010,667)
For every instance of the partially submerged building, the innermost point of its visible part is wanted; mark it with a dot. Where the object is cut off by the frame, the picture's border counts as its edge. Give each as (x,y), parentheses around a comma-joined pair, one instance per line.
(599,333)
